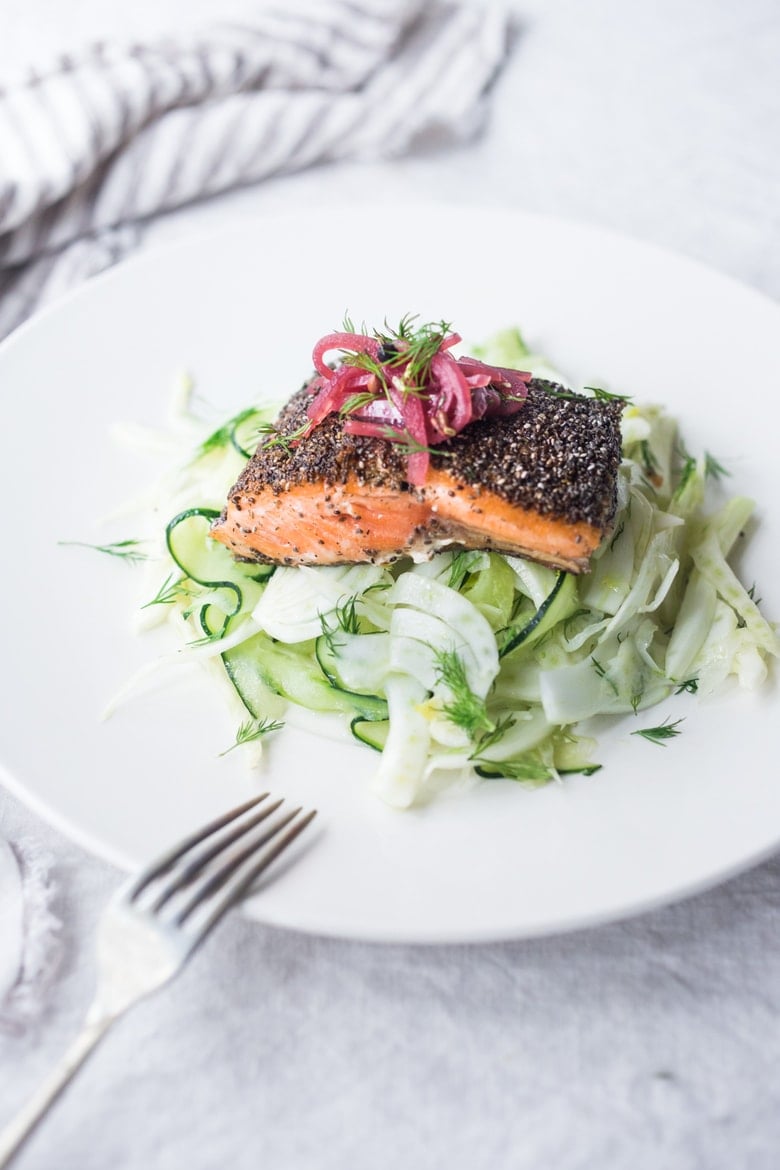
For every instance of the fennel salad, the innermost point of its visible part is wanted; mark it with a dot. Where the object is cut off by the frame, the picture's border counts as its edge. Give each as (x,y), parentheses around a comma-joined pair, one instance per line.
(470,665)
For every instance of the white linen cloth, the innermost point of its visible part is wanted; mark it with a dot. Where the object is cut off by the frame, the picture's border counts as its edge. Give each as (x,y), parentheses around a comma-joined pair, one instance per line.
(646,1044)
(98,143)
(29,933)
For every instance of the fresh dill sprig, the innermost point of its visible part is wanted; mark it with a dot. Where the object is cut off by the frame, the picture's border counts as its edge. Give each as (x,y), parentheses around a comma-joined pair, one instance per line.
(367,362)
(127,550)
(688,469)
(650,464)
(347,615)
(602,395)
(251,730)
(413,346)
(275,438)
(356,402)
(689,686)
(461,566)
(207,639)
(409,348)
(664,731)
(555,390)
(602,673)
(408,445)
(347,622)
(713,467)
(500,728)
(466,710)
(378,587)
(349,326)
(752,594)
(171,590)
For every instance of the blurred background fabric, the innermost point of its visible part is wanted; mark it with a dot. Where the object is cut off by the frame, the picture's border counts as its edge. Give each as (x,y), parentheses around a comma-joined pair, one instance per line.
(99,140)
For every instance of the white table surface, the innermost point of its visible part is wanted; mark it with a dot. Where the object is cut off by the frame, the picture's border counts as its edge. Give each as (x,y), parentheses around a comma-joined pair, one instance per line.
(650,1043)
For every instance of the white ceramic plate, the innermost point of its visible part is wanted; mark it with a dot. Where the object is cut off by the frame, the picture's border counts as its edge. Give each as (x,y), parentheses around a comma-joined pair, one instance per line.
(241,310)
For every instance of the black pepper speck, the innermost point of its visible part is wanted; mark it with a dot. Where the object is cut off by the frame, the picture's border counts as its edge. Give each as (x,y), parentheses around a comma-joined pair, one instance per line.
(557,456)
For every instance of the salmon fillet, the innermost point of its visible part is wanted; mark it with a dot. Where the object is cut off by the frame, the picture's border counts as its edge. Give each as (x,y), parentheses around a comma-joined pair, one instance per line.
(541,484)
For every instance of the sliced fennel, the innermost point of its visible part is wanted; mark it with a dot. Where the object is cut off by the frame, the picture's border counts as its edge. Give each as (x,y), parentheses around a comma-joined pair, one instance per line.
(472,664)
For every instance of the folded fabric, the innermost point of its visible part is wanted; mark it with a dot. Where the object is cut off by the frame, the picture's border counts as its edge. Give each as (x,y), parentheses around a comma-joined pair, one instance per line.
(99,143)
(29,934)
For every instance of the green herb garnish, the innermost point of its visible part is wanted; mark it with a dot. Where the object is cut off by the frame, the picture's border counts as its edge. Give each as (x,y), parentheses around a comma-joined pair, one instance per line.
(659,735)
(410,348)
(608,395)
(251,730)
(171,590)
(501,727)
(126,550)
(713,468)
(275,438)
(555,390)
(462,564)
(466,710)
(650,464)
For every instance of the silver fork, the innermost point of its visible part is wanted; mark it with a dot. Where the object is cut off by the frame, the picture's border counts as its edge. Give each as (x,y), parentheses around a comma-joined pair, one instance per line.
(156,920)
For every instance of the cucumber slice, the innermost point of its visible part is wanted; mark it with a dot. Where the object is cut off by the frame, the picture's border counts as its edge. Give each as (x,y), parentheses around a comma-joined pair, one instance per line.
(204,560)
(245,430)
(236,584)
(354,662)
(254,692)
(372,732)
(328,662)
(559,604)
(259,665)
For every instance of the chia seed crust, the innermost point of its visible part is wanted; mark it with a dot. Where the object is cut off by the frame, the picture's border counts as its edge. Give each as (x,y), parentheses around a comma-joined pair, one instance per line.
(558,456)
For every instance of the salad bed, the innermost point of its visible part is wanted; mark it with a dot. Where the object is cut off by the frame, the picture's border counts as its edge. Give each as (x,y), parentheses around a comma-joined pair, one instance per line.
(472,664)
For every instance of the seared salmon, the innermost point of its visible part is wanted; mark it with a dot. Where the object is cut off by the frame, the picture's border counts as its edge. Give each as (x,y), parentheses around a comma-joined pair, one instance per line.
(540,483)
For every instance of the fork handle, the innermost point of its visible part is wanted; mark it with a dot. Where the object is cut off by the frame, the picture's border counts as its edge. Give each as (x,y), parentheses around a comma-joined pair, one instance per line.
(17,1131)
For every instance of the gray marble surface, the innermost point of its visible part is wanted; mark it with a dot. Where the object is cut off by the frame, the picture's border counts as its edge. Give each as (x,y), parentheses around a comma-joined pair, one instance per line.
(649,1043)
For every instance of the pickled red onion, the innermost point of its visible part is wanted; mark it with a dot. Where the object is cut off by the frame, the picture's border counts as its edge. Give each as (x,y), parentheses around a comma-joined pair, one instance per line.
(420,404)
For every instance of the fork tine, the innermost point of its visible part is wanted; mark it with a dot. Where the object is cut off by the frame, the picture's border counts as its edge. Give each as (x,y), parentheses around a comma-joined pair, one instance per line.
(166,860)
(181,876)
(236,876)
(221,871)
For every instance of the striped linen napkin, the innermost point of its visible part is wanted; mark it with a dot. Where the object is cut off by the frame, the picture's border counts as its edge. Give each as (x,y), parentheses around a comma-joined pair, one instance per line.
(94,146)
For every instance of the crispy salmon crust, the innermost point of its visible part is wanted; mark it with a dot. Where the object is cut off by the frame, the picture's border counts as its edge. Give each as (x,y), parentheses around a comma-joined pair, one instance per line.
(541,483)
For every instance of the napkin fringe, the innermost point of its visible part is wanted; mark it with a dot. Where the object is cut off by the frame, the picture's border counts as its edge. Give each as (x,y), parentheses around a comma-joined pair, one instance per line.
(42,943)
